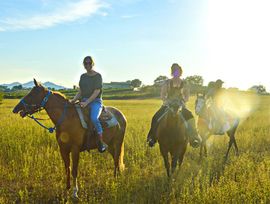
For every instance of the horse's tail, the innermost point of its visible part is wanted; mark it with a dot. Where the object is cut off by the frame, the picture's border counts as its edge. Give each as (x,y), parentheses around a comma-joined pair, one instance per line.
(121,158)
(122,124)
(123,131)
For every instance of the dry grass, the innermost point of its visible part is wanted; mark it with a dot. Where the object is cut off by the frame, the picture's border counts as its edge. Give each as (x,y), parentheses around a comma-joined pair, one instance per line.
(31,169)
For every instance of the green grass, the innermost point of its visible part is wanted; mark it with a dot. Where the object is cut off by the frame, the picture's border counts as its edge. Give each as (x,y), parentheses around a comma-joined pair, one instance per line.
(31,169)
(115,94)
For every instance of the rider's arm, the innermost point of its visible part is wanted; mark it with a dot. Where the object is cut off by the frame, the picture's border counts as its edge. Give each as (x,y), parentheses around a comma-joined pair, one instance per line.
(186,92)
(93,96)
(164,92)
(76,97)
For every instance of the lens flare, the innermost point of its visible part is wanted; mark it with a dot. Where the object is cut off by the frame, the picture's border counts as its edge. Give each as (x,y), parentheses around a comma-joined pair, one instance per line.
(238,104)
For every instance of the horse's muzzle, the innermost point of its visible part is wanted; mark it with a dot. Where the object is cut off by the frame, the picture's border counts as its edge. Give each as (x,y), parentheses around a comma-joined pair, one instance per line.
(20,109)
(16,109)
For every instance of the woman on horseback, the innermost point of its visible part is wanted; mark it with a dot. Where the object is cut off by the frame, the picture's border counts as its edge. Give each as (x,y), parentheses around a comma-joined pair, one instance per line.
(219,117)
(174,89)
(90,93)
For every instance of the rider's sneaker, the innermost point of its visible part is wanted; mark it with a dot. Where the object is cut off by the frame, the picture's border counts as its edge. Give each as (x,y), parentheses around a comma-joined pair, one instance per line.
(194,138)
(195,143)
(102,146)
(151,142)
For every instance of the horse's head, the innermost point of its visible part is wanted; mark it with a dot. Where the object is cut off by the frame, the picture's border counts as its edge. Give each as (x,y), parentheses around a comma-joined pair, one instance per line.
(174,107)
(33,101)
(200,104)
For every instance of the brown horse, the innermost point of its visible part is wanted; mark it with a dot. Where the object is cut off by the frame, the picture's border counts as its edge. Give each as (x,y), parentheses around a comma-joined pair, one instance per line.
(171,137)
(70,134)
(205,131)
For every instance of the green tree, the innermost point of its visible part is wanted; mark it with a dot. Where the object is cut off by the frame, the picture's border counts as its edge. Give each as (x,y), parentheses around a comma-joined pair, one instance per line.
(159,80)
(195,80)
(195,84)
(19,87)
(136,83)
(260,89)
(1,96)
(3,88)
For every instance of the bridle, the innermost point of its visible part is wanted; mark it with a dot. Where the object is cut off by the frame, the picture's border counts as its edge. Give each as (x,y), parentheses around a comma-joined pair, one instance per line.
(40,107)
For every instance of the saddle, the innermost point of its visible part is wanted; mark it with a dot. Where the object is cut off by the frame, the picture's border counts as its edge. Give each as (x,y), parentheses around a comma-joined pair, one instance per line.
(106,118)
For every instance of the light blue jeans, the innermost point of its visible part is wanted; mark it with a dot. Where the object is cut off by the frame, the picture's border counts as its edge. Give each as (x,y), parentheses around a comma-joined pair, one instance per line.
(95,108)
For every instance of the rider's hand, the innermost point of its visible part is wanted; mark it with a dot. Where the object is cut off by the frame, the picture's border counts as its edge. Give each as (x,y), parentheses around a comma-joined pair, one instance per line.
(165,103)
(83,104)
(71,101)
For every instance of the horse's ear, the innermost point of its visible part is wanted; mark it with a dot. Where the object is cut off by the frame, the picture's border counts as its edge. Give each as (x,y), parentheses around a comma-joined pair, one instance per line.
(35,82)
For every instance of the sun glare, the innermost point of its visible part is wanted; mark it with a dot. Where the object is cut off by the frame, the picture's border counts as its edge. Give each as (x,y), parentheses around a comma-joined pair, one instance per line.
(238,104)
(238,41)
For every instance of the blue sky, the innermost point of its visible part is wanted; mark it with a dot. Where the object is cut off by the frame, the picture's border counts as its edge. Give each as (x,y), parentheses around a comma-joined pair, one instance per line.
(130,39)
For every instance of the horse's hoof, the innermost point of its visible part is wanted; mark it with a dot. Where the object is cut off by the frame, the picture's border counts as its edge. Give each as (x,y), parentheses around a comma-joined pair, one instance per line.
(75,198)
(225,160)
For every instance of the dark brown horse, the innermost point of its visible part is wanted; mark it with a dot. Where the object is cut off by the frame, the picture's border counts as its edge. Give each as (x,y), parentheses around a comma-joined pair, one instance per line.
(70,134)
(205,131)
(171,137)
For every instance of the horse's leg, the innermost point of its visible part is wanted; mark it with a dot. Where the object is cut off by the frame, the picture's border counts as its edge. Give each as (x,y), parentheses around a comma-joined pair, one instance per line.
(75,151)
(66,159)
(181,155)
(203,148)
(204,145)
(175,158)
(116,149)
(118,158)
(235,146)
(111,151)
(115,154)
(164,154)
(229,147)
(234,140)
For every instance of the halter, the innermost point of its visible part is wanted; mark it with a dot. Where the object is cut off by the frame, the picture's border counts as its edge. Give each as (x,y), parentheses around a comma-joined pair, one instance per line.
(42,104)
(41,107)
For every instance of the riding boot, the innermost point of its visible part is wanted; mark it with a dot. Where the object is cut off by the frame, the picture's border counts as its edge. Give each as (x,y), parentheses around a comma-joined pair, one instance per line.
(151,139)
(194,138)
(102,146)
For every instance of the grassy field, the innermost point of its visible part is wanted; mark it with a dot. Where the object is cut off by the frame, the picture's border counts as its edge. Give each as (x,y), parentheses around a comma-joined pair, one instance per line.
(31,169)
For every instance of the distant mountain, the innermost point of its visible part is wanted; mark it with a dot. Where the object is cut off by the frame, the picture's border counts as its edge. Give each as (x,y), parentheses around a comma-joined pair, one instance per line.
(31,84)
(52,85)
(11,85)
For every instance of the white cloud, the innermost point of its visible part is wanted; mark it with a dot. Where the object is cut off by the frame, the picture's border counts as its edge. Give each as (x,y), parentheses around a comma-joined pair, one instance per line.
(69,13)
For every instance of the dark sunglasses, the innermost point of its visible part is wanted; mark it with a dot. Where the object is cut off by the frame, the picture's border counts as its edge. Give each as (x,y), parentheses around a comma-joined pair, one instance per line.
(87,63)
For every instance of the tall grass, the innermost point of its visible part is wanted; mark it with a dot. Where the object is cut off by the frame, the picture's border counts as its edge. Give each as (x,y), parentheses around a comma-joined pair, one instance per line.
(31,169)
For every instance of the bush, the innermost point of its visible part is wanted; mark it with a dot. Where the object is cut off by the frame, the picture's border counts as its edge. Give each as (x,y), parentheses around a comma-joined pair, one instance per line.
(1,96)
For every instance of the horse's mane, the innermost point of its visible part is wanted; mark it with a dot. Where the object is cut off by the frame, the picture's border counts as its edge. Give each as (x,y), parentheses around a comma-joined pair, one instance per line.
(59,94)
